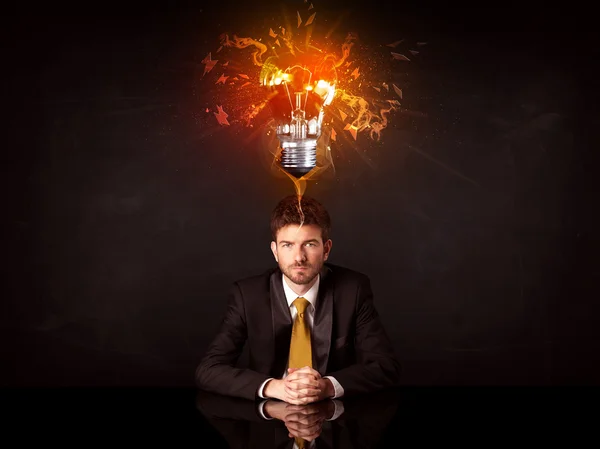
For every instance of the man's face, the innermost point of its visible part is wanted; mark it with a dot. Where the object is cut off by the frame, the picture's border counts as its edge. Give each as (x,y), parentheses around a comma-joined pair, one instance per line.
(300,252)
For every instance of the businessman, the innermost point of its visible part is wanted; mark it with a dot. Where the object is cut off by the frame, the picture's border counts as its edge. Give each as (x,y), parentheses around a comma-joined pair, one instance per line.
(311,327)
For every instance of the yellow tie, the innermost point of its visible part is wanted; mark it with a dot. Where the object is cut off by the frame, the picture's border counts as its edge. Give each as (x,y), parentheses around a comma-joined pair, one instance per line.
(300,349)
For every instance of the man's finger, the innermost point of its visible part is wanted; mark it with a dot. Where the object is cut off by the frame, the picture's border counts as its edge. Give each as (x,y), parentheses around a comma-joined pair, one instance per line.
(312,436)
(296,385)
(302,392)
(308,369)
(302,383)
(294,427)
(304,431)
(291,410)
(302,375)
(303,400)
(301,409)
(299,395)
(307,379)
(312,429)
(303,428)
(311,399)
(305,420)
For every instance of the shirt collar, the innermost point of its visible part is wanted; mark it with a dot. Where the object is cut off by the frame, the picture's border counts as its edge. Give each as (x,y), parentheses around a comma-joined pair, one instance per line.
(310,295)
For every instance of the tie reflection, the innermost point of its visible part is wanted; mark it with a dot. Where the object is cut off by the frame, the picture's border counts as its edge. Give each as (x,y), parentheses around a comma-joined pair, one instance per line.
(353,422)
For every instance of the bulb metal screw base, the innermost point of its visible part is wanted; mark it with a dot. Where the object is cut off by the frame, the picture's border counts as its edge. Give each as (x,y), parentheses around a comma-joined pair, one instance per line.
(299,157)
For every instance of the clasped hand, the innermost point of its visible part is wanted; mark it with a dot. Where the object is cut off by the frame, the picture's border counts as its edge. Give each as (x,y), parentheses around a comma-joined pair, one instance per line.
(301,386)
(302,421)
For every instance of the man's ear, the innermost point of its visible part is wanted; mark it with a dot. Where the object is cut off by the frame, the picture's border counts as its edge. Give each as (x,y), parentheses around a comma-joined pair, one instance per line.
(274,250)
(327,248)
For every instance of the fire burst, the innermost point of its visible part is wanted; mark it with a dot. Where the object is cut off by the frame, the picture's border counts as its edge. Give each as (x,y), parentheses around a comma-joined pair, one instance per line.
(301,94)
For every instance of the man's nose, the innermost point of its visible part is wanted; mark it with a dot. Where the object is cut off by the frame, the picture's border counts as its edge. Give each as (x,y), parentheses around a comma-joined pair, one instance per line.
(300,255)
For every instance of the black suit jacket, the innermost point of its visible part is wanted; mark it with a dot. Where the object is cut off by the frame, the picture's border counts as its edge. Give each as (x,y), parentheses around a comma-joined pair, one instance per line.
(349,341)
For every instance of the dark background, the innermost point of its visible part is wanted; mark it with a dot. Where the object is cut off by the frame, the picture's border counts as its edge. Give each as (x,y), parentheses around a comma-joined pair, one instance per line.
(127,217)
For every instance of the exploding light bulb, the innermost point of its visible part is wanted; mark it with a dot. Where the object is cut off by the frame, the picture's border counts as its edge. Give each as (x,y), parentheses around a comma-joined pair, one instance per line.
(301,87)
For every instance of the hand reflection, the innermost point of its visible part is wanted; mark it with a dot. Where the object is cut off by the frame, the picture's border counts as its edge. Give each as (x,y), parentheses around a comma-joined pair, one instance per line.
(302,421)
(359,421)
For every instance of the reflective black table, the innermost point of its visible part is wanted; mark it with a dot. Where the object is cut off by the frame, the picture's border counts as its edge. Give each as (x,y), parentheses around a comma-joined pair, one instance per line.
(419,417)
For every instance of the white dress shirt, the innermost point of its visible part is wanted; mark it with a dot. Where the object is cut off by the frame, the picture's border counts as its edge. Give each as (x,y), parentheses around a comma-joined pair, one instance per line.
(311,297)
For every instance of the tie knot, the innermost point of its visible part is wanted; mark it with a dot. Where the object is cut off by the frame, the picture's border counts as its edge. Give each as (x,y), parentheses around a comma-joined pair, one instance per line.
(301,304)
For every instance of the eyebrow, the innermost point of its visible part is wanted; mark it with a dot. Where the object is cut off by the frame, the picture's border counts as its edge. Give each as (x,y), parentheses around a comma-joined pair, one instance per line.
(306,241)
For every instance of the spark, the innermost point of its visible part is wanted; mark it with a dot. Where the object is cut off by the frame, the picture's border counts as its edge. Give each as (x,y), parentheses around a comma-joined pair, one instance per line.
(221,116)
(208,64)
(399,57)
(352,129)
(395,44)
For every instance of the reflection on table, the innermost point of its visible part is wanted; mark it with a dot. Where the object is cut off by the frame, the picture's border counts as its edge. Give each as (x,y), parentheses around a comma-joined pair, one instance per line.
(353,422)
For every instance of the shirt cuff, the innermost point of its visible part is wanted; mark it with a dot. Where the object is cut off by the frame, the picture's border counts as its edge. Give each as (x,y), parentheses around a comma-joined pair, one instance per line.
(261,410)
(339,391)
(262,387)
(338,410)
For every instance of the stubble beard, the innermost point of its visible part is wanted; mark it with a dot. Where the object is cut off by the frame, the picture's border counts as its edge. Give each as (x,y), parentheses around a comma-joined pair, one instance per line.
(303,277)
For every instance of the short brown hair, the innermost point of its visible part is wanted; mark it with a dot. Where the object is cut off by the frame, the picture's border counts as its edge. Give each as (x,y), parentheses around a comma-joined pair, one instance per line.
(307,211)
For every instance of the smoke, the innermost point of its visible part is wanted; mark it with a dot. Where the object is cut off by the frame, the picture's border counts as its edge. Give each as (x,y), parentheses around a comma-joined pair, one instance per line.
(363,117)
(243,42)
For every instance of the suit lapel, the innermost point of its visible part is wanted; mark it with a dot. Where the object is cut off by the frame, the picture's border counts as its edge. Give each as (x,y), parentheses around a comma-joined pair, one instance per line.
(282,325)
(321,333)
